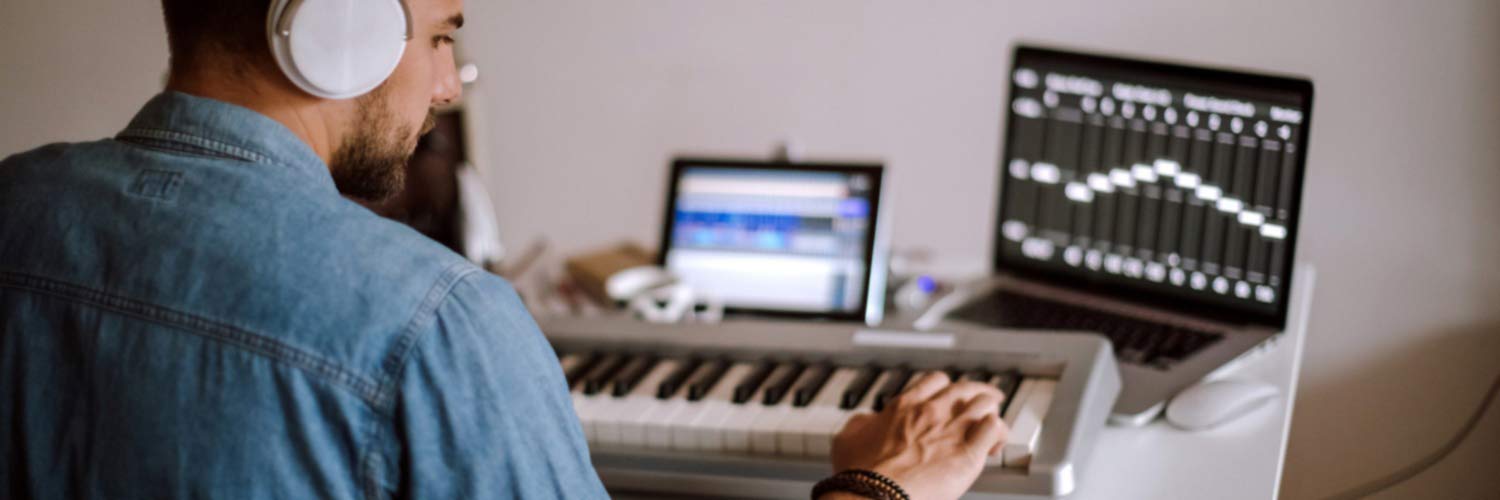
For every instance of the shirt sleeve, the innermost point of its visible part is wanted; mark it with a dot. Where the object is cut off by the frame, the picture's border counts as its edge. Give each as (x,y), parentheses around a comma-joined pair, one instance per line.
(484,410)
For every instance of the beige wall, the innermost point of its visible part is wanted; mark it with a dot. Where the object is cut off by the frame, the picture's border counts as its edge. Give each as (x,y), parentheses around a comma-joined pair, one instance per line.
(586,101)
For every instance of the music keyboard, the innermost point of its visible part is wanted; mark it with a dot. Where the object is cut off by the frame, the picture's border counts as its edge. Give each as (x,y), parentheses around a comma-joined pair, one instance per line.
(750,408)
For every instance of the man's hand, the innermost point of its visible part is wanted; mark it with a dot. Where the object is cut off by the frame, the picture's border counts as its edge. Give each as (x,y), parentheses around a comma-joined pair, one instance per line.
(932,440)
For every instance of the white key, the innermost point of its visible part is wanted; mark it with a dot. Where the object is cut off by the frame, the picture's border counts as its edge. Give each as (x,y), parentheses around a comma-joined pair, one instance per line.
(700,433)
(659,430)
(678,426)
(609,424)
(763,432)
(804,420)
(1021,442)
(584,407)
(601,413)
(1012,410)
(763,429)
(633,426)
(820,444)
(743,416)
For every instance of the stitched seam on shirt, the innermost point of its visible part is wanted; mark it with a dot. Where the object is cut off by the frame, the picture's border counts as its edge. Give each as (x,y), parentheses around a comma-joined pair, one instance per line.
(437,294)
(257,343)
(202,142)
(175,147)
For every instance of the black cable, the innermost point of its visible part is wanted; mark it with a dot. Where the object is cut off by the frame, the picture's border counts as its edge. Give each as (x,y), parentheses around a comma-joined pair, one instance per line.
(1419,466)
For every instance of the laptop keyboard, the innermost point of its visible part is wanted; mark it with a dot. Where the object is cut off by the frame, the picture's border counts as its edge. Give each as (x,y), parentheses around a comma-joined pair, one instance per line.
(1135,341)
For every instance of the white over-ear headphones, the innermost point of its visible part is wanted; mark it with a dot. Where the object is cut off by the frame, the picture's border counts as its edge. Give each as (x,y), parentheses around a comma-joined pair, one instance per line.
(338,49)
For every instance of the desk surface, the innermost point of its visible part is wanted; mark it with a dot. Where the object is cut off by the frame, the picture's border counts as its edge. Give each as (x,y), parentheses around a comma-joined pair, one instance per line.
(1242,459)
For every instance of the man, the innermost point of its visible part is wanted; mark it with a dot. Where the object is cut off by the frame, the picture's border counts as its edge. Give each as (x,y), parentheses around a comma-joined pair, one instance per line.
(192,310)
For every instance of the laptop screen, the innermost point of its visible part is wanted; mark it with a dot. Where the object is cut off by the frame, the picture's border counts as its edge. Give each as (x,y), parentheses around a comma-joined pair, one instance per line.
(1152,181)
(774,237)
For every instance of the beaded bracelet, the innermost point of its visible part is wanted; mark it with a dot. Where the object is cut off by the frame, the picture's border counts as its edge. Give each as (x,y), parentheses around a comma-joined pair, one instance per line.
(865,483)
(888,482)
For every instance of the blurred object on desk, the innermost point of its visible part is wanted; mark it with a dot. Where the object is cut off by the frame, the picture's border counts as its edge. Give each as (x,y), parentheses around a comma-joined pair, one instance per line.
(913,283)
(590,271)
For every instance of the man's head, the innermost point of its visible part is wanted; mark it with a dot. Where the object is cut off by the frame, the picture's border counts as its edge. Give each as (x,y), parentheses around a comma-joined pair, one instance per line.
(219,49)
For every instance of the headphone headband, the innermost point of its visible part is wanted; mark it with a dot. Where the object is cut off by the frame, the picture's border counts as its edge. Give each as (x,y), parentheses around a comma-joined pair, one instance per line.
(283,28)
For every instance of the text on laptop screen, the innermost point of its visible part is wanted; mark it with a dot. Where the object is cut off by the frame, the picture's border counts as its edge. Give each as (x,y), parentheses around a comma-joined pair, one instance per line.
(773,239)
(1172,179)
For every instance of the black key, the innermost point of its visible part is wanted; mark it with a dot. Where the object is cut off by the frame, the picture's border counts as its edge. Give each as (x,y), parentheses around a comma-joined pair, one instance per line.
(953,373)
(710,377)
(900,375)
(632,374)
(1007,382)
(576,373)
(781,383)
(812,384)
(603,372)
(859,387)
(747,387)
(699,376)
(677,378)
(976,375)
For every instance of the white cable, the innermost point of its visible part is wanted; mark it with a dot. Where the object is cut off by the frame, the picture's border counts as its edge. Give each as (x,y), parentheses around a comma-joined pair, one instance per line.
(1419,466)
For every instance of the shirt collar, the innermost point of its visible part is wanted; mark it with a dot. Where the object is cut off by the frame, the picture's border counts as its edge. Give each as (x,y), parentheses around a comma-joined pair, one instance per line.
(222,129)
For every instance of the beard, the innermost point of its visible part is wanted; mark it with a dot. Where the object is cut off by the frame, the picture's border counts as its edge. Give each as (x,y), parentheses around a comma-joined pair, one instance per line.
(370,165)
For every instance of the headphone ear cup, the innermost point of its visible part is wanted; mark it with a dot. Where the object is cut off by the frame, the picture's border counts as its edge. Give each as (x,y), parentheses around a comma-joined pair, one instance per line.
(338,49)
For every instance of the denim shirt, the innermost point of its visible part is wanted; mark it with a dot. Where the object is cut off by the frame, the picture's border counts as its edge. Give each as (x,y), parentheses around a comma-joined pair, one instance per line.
(190,310)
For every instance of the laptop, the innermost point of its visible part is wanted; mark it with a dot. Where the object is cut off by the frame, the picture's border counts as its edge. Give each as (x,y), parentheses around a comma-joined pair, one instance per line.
(1153,203)
(797,240)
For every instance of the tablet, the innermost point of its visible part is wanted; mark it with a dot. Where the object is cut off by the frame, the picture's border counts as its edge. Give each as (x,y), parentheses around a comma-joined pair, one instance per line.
(788,239)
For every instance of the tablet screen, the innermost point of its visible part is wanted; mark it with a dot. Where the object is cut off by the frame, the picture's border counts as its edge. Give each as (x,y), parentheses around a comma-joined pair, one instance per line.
(786,238)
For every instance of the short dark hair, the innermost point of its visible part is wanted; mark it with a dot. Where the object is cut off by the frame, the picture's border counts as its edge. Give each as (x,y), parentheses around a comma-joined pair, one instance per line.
(215,28)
